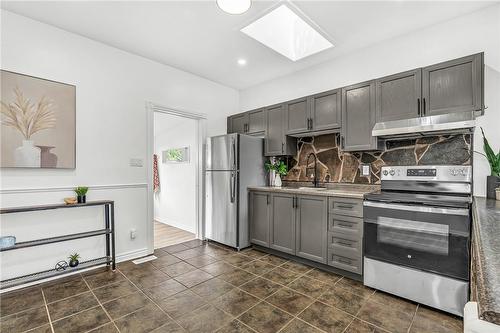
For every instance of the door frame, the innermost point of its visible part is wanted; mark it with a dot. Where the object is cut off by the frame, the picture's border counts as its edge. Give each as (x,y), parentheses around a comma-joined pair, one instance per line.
(201,119)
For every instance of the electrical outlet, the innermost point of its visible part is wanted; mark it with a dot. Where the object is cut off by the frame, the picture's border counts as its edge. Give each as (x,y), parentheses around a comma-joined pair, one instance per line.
(136,162)
(132,233)
(365,169)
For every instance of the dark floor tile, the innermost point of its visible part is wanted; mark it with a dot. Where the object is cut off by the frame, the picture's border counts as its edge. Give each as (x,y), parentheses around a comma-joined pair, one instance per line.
(178,269)
(164,290)
(326,317)
(265,318)
(201,261)
(296,267)
(125,305)
(308,286)
(217,252)
(211,289)
(343,299)
(258,267)
(20,300)
(385,317)
(144,320)
(325,277)
(81,322)
(260,287)
(71,305)
(273,260)
(165,261)
(193,243)
(427,320)
(394,302)
(191,253)
(191,279)
(238,260)
(253,253)
(23,321)
(151,279)
(299,326)
(115,290)
(60,289)
(237,277)
(102,278)
(41,329)
(218,268)
(205,319)
(130,269)
(108,328)
(289,300)
(174,248)
(235,302)
(281,275)
(181,303)
(159,253)
(358,326)
(170,327)
(355,287)
(235,326)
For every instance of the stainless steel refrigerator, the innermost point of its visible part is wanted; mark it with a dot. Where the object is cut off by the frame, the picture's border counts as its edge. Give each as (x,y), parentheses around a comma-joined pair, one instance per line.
(233,162)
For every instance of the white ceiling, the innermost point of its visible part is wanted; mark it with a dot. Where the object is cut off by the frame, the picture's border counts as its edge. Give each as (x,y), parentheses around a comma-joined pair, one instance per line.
(197,37)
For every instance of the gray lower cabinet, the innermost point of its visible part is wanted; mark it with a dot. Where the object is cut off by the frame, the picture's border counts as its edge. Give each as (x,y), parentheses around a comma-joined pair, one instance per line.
(283,223)
(358,117)
(311,228)
(453,86)
(276,142)
(259,217)
(326,111)
(399,96)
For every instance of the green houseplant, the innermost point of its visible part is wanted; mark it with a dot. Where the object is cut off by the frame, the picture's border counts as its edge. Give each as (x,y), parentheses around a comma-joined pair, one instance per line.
(81,194)
(493,180)
(73,259)
(280,169)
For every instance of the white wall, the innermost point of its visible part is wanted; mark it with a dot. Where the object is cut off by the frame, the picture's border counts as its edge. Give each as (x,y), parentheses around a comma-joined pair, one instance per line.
(175,203)
(468,34)
(112,87)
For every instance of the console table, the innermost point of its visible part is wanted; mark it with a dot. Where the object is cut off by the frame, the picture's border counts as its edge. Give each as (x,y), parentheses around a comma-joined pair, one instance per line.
(108,231)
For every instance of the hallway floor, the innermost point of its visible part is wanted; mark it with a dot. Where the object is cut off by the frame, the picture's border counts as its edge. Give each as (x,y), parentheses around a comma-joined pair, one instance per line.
(199,287)
(166,235)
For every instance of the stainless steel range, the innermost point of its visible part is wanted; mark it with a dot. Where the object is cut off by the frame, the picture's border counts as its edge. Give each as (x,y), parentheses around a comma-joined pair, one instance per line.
(417,235)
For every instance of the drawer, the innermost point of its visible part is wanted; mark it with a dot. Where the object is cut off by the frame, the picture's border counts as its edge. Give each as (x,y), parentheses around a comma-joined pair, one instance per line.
(348,264)
(346,245)
(345,224)
(346,206)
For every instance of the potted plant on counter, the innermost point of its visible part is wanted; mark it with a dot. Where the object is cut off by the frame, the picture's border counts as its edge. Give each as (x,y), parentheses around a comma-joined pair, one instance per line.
(280,169)
(493,180)
(81,194)
(73,259)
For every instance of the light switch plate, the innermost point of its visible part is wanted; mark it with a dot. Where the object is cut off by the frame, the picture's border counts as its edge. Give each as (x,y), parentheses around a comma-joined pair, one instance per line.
(136,162)
(365,169)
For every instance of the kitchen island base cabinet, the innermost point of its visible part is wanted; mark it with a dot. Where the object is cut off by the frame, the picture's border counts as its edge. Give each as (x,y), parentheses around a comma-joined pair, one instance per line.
(311,228)
(259,216)
(283,223)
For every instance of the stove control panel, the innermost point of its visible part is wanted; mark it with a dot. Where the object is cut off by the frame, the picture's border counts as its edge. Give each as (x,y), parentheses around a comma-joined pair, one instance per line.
(455,173)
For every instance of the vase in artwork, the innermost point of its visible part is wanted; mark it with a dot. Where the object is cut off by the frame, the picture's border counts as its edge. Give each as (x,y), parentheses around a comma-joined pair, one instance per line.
(277,180)
(48,159)
(27,155)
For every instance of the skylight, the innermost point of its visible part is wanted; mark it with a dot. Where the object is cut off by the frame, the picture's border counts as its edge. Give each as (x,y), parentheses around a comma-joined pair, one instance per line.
(287,33)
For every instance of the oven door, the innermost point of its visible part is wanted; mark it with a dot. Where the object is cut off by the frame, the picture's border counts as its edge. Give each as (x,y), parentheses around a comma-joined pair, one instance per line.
(433,239)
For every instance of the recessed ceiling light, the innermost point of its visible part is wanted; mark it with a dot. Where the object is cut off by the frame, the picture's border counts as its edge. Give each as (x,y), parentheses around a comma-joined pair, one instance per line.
(242,62)
(234,6)
(287,33)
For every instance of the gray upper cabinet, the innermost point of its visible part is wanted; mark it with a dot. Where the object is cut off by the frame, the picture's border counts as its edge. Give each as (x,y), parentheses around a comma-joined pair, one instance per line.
(259,217)
(311,228)
(237,123)
(326,112)
(283,223)
(297,117)
(453,86)
(399,96)
(358,117)
(256,122)
(276,142)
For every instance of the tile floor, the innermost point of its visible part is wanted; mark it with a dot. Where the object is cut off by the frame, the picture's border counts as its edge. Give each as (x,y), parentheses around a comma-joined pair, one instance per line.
(198,287)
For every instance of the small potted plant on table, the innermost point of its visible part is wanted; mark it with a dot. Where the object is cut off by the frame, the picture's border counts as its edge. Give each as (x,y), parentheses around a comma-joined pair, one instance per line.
(73,259)
(81,193)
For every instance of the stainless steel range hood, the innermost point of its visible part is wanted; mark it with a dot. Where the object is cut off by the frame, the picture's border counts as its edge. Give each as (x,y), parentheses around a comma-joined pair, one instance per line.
(463,122)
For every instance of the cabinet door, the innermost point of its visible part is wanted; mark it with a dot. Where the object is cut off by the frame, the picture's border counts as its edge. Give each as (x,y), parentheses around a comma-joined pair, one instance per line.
(311,228)
(358,117)
(453,86)
(283,223)
(238,123)
(297,116)
(256,122)
(326,112)
(398,96)
(259,218)
(275,142)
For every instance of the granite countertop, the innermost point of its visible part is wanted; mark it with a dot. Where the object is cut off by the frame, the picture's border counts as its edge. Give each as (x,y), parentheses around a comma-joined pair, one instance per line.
(332,190)
(486,268)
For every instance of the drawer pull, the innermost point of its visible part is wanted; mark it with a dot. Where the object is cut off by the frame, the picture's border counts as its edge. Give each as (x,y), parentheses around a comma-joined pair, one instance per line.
(345,206)
(344,225)
(345,244)
(344,260)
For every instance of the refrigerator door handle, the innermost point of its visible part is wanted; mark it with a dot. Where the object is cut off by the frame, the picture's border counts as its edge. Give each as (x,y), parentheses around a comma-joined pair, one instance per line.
(232,187)
(234,155)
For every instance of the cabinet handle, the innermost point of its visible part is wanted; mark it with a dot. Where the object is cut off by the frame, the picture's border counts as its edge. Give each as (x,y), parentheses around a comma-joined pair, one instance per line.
(345,206)
(424,111)
(345,261)
(267,199)
(296,202)
(342,142)
(345,225)
(293,202)
(418,106)
(310,123)
(345,244)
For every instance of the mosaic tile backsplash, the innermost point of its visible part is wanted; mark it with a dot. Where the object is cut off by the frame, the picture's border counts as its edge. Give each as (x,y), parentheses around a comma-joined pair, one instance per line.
(343,167)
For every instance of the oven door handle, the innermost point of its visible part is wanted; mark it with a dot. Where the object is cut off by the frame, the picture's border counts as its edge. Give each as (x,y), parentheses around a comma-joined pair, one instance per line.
(419,209)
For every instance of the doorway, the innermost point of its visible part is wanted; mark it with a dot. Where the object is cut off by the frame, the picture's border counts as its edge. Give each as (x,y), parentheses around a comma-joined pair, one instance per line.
(175,146)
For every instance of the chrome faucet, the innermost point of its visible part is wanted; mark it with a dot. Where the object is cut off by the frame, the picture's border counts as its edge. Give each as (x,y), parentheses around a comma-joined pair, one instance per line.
(315,169)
